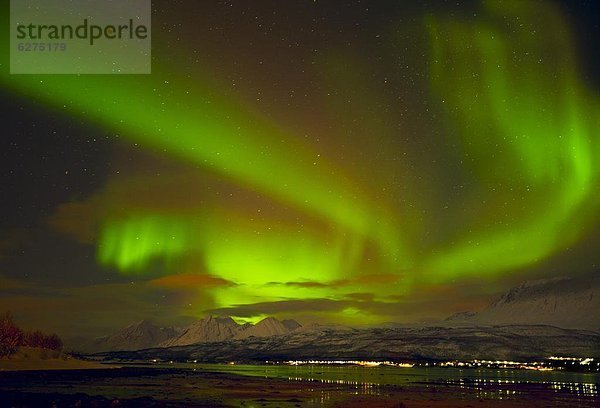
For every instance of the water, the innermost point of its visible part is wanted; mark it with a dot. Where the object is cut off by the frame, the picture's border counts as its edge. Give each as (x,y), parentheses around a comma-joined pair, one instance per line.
(499,383)
(307,386)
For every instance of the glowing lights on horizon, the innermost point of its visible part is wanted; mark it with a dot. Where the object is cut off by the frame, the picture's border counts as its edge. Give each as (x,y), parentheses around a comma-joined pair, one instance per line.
(363,363)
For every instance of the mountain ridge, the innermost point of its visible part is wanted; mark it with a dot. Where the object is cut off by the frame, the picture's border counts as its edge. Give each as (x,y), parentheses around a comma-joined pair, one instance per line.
(135,336)
(512,342)
(144,334)
(566,302)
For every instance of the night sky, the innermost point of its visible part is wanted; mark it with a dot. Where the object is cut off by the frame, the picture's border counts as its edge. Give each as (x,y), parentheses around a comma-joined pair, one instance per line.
(353,162)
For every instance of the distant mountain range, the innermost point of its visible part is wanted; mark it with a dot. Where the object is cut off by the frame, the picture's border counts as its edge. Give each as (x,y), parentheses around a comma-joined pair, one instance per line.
(517,343)
(214,329)
(144,334)
(535,319)
(571,303)
(136,336)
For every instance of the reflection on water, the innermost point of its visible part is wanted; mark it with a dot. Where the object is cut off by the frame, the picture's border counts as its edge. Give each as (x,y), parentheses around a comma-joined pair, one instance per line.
(363,388)
(587,390)
(479,388)
(483,388)
(505,389)
(484,383)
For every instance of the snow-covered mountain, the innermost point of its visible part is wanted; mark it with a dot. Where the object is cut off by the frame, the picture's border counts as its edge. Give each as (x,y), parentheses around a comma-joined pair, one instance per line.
(136,336)
(205,330)
(518,343)
(211,329)
(563,302)
(291,324)
(268,327)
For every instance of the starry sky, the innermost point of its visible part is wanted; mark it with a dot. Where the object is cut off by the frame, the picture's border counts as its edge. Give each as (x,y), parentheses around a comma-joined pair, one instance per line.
(352,162)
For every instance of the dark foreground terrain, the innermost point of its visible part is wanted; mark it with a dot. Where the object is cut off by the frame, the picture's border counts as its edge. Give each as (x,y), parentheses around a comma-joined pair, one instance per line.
(157,387)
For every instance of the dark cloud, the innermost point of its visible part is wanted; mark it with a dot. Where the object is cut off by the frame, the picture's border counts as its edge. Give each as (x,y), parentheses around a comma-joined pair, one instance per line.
(282,307)
(369,279)
(190,281)
(361,297)
(307,284)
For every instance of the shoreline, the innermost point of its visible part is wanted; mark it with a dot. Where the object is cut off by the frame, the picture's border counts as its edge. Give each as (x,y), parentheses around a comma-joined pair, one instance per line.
(50,364)
(173,387)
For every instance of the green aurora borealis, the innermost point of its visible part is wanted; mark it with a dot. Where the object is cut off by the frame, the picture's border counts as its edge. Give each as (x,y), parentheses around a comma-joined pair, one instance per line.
(540,125)
(365,202)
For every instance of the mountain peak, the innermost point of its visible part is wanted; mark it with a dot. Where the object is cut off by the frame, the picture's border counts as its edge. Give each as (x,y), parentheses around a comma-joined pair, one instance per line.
(136,336)
(209,329)
(145,334)
(569,303)
(269,326)
(143,323)
(291,324)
